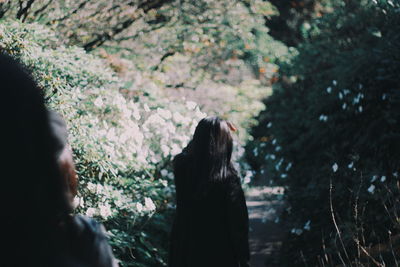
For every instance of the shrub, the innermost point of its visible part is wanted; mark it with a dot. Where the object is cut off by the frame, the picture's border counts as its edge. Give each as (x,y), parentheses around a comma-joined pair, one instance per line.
(122,146)
(331,127)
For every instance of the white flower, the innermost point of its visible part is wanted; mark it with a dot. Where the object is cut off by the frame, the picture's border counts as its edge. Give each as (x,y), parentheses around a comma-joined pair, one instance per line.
(247,178)
(323,117)
(296,231)
(175,149)
(276,220)
(335,167)
(255,152)
(344,106)
(288,166)
(373,179)
(98,102)
(111,135)
(356,100)
(78,202)
(307,226)
(164,172)
(165,149)
(149,204)
(371,189)
(200,114)
(99,188)
(178,117)
(278,165)
(334,82)
(360,109)
(90,212)
(383,178)
(191,105)
(283,175)
(155,119)
(340,95)
(146,108)
(350,165)
(105,211)
(329,90)
(139,207)
(165,113)
(269,125)
(91,186)
(164,182)
(136,114)
(384,97)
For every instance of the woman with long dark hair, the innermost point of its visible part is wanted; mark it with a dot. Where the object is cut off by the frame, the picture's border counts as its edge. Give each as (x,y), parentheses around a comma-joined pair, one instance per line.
(211,222)
(38,228)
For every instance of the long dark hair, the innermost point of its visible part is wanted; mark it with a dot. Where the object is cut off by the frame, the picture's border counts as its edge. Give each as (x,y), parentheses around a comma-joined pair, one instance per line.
(33,192)
(212,148)
(207,157)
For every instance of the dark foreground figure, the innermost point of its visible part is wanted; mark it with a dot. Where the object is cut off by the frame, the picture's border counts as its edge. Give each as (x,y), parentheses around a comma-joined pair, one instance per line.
(37,184)
(211,223)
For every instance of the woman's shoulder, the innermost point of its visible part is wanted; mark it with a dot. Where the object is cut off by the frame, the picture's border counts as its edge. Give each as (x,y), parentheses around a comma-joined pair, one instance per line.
(93,240)
(233,177)
(233,184)
(85,224)
(181,160)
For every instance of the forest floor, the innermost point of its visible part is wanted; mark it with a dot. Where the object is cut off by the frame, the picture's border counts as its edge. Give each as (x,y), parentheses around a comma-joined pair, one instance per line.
(265,205)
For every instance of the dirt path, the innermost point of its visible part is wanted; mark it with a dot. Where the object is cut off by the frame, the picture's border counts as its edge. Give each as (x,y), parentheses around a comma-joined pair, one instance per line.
(266,234)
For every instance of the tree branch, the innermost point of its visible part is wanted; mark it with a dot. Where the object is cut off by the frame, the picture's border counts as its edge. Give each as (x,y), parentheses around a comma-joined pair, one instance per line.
(43,8)
(109,35)
(4,7)
(139,33)
(81,5)
(23,11)
(164,57)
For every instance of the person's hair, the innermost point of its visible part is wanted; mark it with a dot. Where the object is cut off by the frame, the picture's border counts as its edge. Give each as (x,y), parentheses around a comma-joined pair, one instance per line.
(33,192)
(209,155)
(212,147)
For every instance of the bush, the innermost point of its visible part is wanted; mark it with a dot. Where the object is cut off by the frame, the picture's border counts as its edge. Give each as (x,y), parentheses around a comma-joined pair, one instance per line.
(331,135)
(128,108)
(122,146)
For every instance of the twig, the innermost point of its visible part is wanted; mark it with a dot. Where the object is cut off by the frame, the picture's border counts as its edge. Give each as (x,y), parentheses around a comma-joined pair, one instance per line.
(43,8)
(334,221)
(392,249)
(372,258)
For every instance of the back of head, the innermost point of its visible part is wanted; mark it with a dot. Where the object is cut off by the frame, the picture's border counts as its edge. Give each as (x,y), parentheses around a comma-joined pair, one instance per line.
(32,191)
(210,152)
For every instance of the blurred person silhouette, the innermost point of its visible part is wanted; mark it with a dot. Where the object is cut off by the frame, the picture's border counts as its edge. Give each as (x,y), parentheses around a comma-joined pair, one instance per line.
(38,183)
(211,222)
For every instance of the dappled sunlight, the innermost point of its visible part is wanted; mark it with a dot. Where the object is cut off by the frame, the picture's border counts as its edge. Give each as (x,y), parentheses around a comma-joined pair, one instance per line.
(310,89)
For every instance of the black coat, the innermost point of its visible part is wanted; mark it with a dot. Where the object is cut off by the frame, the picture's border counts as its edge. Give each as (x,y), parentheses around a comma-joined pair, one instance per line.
(76,242)
(210,229)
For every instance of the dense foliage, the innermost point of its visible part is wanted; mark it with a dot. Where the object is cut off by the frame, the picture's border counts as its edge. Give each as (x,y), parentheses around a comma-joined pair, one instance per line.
(330,134)
(132,79)
(120,144)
